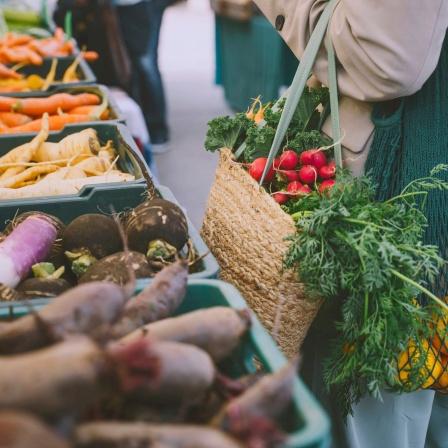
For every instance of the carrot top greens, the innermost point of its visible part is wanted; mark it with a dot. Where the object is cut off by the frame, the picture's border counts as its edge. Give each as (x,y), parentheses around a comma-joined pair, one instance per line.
(369,257)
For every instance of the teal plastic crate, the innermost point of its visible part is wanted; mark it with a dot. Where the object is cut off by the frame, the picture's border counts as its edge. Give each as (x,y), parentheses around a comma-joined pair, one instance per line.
(98,199)
(115,114)
(131,160)
(251,59)
(305,421)
(83,72)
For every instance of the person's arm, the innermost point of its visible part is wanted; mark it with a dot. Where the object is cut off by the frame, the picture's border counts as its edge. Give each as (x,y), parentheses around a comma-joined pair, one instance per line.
(385,48)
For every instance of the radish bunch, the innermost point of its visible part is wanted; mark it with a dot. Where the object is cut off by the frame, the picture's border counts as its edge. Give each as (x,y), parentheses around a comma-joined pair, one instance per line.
(292,176)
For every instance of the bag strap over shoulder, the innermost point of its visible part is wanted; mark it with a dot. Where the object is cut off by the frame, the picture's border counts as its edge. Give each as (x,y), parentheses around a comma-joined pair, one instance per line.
(298,84)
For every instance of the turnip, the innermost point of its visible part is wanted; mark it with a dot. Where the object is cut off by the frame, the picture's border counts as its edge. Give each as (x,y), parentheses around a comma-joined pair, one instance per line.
(256,169)
(113,268)
(89,238)
(308,174)
(157,228)
(158,300)
(116,434)
(217,330)
(24,430)
(288,160)
(51,382)
(29,243)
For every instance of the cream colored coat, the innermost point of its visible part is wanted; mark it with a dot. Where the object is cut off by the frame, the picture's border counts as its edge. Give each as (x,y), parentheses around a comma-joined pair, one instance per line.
(385,49)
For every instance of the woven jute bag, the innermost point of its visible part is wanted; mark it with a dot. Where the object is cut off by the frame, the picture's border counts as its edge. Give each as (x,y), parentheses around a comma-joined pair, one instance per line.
(245,230)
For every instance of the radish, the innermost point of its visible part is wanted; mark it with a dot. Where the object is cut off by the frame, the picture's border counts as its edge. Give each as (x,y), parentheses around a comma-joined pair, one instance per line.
(290,175)
(157,228)
(276,163)
(288,160)
(319,159)
(256,169)
(29,243)
(306,158)
(308,174)
(326,186)
(293,187)
(327,171)
(280,198)
(303,191)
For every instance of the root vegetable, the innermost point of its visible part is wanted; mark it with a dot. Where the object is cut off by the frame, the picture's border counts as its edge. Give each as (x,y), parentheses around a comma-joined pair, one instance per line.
(23,430)
(159,371)
(308,174)
(29,243)
(8,294)
(158,300)
(88,309)
(68,172)
(51,382)
(34,288)
(157,228)
(89,238)
(280,198)
(256,169)
(216,330)
(113,268)
(115,434)
(288,160)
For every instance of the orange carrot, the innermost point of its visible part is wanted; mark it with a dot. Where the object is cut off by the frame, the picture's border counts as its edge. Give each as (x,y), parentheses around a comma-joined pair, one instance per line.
(90,56)
(12,39)
(21,53)
(87,110)
(56,123)
(6,103)
(6,72)
(12,119)
(52,103)
(260,113)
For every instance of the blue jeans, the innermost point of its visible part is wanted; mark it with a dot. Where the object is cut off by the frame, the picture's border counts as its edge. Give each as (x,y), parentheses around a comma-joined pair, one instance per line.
(141,24)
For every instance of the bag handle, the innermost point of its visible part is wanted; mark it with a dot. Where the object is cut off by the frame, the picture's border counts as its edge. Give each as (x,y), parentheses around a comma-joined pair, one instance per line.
(298,84)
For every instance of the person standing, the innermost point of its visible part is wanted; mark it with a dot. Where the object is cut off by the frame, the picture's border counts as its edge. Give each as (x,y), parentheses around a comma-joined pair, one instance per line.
(141,22)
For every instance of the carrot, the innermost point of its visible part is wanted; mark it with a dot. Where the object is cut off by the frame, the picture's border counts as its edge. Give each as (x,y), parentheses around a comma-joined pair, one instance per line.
(22,430)
(117,434)
(158,300)
(56,123)
(51,104)
(13,39)
(21,53)
(251,112)
(6,72)
(12,119)
(88,110)
(217,330)
(260,114)
(90,56)
(6,103)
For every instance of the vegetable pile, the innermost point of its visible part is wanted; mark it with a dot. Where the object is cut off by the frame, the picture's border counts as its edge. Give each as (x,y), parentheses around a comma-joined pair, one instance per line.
(111,367)
(42,168)
(365,257)
(22,115)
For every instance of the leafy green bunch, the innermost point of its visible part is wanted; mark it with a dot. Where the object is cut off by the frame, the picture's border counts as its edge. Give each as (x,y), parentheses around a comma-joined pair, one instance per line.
(368,257)
(302,133)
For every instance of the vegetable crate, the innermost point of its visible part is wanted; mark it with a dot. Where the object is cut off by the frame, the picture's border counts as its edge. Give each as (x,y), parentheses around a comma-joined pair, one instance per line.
(130,159)
(98,199)
(83,72)
(306,423)
(115,114)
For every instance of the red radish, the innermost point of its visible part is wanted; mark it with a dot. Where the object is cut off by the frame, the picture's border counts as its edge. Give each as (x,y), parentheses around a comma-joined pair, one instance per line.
(288,160)
(280,198)
(29,243)
(293,188)
(306,158)
(290,175)
(276,163)
(327,171)
(326,186)
(256,169)
(319,159)
(304,190)
(308,174)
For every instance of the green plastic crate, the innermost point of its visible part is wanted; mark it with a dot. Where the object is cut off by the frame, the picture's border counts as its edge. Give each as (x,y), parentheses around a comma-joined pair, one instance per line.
(251,59)
(115,114)
(83,72)
(305,421)
(130,161)
(98,199)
